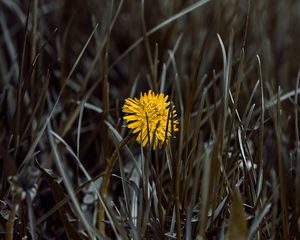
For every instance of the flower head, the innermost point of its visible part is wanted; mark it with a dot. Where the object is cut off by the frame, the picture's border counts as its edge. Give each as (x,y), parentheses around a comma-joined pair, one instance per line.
(152,117)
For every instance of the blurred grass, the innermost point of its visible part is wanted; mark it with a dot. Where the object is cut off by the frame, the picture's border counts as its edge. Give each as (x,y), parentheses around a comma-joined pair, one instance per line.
(231,68)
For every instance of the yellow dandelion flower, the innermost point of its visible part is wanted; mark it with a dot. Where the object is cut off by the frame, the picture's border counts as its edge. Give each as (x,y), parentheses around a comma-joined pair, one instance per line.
(149,117)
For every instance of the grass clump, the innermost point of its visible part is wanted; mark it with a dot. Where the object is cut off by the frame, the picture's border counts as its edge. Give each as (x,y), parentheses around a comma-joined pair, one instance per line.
(217,153)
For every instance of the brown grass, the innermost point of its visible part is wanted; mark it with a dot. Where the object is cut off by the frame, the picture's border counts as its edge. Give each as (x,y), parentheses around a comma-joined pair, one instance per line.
(68,168)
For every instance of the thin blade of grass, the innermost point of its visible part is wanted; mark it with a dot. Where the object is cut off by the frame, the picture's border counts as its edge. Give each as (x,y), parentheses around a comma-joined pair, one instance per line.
(39,134)
(58,161)
(88,177)
(297,157)
(205,193)
(281,169)
(260,215)
(250,100)
(162,25)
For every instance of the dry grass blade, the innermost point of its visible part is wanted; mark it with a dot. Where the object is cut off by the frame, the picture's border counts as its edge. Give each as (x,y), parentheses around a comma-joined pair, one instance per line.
(260,215)
(20,91)
(297,145)
(162,25)
(106,180)
(250,100)
(58,161)
(272,102)
(281,170)
(88,177)
(177,164)
(58,194)
(205,193)
(118,139)
(39,104)
(237,225)
(82,104)
(39,134)
(275,198)
(34,23)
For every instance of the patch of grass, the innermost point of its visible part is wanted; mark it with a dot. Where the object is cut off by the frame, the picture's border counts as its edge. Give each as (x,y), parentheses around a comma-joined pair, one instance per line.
(70,167)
